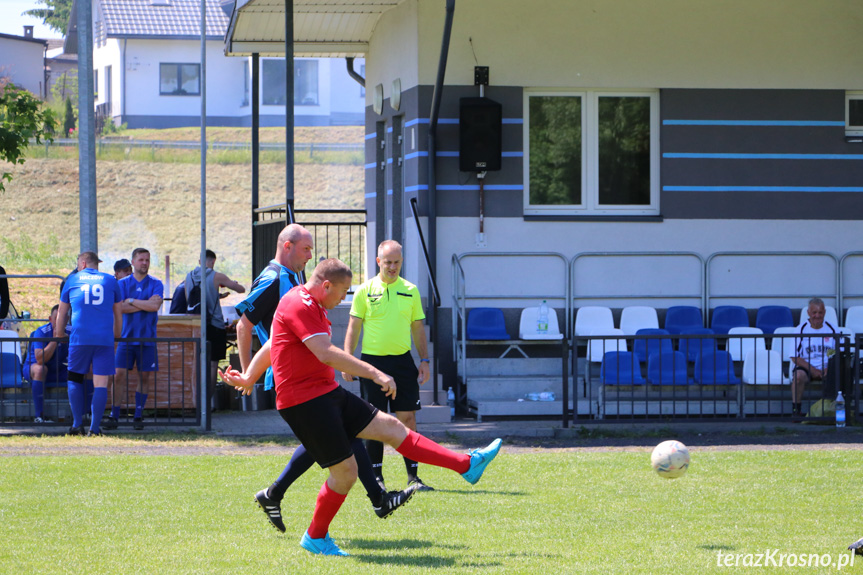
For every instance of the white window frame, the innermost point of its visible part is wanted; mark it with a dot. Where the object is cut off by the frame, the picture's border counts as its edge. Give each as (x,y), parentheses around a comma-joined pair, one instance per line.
(589,157)
(855,130)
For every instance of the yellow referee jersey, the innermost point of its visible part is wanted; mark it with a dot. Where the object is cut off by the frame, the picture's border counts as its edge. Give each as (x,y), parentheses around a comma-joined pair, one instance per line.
(387,311)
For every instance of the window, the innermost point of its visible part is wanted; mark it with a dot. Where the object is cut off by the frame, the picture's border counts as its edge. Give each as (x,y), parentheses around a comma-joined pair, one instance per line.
(179,79)
(854,114)
(591,153)
(305,83)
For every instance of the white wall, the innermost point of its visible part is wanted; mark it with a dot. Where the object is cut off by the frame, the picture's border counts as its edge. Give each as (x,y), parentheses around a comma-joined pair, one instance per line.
(23,62)
(224,79)
(635,43)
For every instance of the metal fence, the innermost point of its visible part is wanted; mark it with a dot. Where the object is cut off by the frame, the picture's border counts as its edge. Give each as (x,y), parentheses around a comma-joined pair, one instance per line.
(173,394)
(337,234)
(665,376)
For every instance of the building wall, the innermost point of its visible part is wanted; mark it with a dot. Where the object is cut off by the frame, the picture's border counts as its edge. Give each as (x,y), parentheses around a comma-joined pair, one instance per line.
(751,136)
(23,62)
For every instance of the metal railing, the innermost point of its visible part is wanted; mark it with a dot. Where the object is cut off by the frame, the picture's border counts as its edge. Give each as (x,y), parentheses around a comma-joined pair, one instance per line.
(173,395)
(337,234)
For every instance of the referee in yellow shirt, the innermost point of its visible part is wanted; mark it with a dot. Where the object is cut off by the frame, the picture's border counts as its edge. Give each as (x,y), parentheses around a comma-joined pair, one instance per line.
(390,311)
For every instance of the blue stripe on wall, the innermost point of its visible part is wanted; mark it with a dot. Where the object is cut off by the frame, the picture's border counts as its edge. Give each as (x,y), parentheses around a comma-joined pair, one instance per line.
(370,166)
(677,155)
(795,123)
(760,189)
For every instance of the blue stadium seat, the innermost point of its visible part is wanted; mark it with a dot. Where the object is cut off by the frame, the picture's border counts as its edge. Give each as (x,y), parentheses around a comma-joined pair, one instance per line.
(620,368)
(680,317)
(772,316)
(727,316)
(644,347)
(715,368)
(692,348)
(486,323)
(667,368)
(10,370)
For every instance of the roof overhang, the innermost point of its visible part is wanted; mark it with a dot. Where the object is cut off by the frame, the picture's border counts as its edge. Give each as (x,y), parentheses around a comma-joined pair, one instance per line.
(322,28)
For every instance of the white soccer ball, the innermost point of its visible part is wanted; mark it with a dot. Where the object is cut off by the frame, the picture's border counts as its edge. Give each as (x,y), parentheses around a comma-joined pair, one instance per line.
(670,459)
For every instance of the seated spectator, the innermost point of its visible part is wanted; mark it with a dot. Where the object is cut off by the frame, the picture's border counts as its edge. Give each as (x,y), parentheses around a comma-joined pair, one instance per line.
(122,269)
(811,354)
(45,364)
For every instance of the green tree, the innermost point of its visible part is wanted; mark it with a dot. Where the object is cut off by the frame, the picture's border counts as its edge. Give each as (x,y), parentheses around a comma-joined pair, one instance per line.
(55,14)
(69,118)
(22,118)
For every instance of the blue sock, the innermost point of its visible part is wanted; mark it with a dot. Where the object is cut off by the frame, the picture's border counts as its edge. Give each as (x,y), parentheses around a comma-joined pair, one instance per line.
(76,402)
(140,401)
(115,411)
(88,392)
(100,398)
(301,461)
(365,471)
(38,388)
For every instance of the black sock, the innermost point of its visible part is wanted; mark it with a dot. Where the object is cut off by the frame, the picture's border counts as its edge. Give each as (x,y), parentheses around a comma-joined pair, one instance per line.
(376,456)
(411,468)
(796,408)
(366,474)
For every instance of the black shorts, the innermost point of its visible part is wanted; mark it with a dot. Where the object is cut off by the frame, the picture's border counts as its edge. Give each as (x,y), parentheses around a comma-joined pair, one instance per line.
(326,425)
(218,339)
(402,369)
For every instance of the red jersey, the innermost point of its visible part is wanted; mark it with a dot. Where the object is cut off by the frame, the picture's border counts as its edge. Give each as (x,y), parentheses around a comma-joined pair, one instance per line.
(298,374)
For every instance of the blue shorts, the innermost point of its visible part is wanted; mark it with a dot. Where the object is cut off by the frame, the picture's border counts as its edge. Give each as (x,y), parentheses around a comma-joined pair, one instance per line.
(100,356)
(130,355)
(54,378)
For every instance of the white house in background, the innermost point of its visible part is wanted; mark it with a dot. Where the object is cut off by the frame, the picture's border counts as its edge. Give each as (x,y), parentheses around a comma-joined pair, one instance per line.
(147,66)
(22,60)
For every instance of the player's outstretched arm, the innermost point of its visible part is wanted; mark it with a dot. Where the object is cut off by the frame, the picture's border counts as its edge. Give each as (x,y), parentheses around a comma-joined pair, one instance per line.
(352,337)
(244,341)
(339,359)
(246,380)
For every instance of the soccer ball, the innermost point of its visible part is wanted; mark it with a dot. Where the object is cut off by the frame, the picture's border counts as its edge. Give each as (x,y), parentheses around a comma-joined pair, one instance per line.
(670,459)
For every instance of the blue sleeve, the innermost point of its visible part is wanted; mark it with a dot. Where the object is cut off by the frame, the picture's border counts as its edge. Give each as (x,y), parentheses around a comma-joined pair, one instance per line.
(118,297)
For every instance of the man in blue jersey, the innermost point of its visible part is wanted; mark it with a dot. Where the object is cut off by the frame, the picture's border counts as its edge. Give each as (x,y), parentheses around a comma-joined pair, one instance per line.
(45,364)
(94,299)
(141,296)
(256,312)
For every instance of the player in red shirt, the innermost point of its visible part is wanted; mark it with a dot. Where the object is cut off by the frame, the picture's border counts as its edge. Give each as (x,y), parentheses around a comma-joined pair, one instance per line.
(323,415)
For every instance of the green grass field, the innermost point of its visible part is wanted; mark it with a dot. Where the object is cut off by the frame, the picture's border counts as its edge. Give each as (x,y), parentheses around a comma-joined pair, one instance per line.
(533,512)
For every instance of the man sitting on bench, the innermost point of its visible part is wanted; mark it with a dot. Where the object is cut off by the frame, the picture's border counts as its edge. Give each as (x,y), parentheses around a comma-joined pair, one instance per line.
(45,364)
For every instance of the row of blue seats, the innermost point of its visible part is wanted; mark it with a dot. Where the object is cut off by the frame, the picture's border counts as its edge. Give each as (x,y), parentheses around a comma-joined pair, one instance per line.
(488,323)
(712,367)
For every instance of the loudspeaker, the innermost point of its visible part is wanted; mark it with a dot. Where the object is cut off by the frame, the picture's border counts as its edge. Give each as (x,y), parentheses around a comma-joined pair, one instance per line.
(480,135)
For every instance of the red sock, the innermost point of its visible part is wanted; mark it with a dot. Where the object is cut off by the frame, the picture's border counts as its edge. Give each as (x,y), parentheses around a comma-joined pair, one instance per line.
(424,450)
(328,504)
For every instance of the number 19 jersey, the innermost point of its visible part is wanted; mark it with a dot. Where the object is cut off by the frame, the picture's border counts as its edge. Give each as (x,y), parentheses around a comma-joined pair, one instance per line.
(92,295)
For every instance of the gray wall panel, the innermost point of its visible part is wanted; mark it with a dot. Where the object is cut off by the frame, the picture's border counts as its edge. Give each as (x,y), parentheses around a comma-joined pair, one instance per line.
(764,206)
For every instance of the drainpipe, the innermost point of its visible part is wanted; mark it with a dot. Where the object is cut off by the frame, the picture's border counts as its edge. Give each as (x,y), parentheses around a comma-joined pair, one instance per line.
(432,187)
(123,84)
(353,73)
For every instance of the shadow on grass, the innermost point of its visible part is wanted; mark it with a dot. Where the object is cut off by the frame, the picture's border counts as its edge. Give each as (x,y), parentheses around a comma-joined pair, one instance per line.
(717,547)
(425,560)
(481,492)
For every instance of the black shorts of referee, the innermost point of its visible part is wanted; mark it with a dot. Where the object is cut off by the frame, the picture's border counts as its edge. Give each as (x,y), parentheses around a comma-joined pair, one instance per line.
(404,371)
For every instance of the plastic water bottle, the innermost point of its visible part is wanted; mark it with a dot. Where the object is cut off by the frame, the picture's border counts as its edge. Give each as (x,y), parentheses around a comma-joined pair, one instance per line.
(450,401)
(840,410)
(542,320)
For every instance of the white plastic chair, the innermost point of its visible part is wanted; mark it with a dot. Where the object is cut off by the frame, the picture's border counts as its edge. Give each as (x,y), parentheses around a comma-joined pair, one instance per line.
(527,325)
(738,347)
(854,319)
(829,315)
(763,367)
(591,318)
(784,346)
(638,317)
(596,348)
(10,346)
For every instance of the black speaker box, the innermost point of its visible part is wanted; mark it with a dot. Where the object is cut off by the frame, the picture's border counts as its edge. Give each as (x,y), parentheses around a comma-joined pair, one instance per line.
(480,135)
